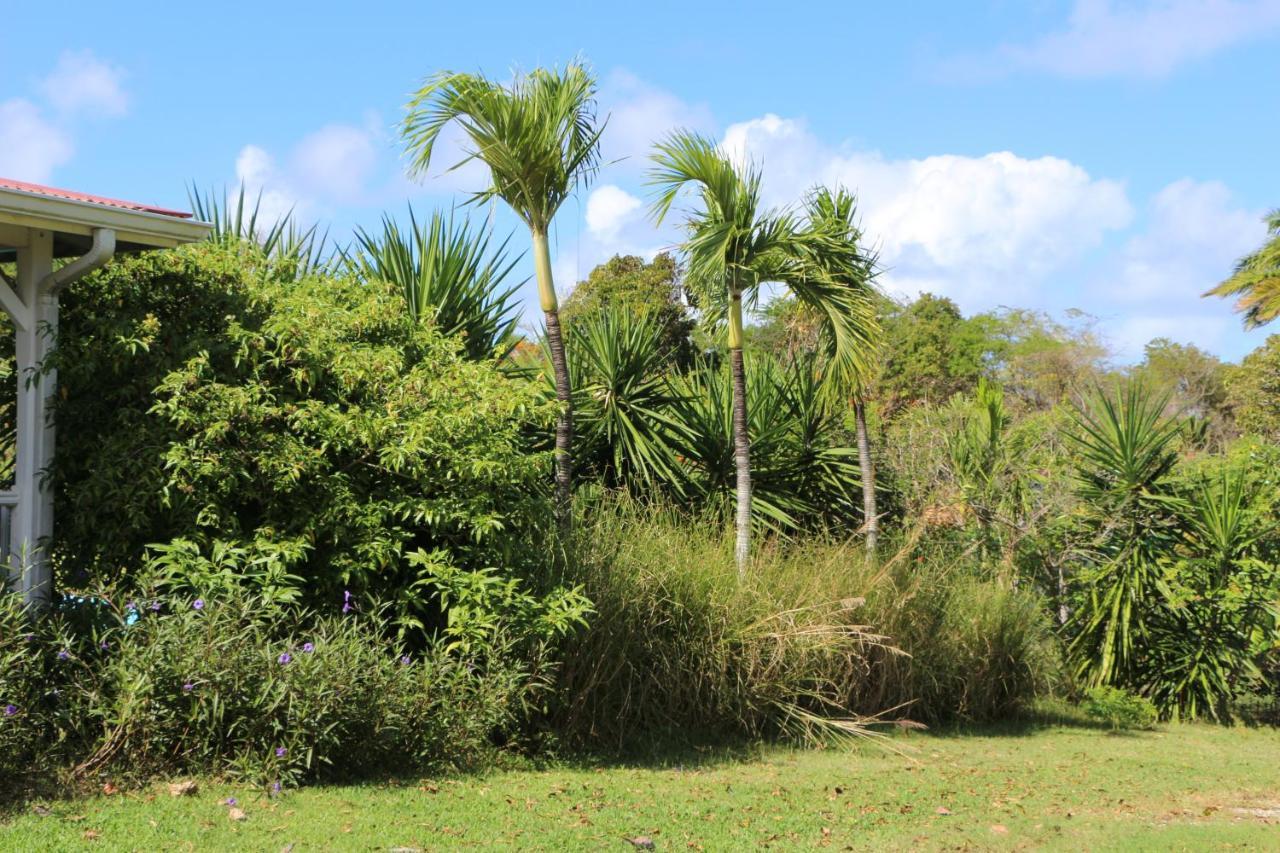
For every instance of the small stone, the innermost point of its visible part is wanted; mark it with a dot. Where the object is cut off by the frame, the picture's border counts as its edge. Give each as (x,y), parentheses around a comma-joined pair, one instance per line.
(943,810)
(641,842)
(185,788)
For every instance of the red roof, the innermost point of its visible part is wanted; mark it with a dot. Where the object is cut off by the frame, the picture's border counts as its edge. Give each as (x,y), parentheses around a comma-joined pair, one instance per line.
(71,195)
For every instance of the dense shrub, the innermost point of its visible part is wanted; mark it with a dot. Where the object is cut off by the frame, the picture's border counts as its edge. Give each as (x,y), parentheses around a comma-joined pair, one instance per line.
(211,396)
(681,643)
(1120,709)
(239,685)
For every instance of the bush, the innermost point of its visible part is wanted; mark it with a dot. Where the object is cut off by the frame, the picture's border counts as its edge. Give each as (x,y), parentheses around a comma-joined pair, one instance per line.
(241,686)
(213,396)
(1120,709)
(681,644)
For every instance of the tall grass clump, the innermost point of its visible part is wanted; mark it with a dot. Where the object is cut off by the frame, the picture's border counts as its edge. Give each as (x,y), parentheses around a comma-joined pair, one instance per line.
(813,637)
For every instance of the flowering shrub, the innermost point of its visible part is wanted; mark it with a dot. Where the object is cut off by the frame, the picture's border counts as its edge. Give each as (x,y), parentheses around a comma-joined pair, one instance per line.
(241,686)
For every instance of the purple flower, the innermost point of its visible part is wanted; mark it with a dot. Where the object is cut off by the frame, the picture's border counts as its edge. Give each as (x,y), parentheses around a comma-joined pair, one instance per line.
(10,710)
(188,687)
(104,645)
(275,787)
(347,606)
(231,801)
(64,655)
(308,647)
(155,607)
(284,658)
(131,606)
(198,604)
(31,638)
(405,660)
(281,752)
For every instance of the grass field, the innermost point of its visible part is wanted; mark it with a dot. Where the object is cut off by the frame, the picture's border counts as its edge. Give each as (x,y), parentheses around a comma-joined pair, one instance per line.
(1192,787)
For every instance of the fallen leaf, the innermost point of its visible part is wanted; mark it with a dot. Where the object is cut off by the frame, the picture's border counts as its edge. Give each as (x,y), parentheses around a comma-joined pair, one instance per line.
(185,788)
(288,848)
(109,789)
(41,810)
(91,835)
(999,829)
(641,842)
(943,810)
(236,814)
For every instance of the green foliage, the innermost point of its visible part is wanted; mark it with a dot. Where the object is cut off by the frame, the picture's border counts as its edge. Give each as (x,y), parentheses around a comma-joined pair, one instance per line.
(684,644)
(930,353)
(238,685)
(1253,391)
(309,421)
(626,283)
(291,247)
(450,277)
(1119,709)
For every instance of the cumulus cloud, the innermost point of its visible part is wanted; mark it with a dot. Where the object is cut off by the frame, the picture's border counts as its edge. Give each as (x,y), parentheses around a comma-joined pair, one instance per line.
(1149,39)
(83,84)
(982,229)
(258,176)
(608,209)
(335,161)
(640,114)
(31,147)
(1193,233)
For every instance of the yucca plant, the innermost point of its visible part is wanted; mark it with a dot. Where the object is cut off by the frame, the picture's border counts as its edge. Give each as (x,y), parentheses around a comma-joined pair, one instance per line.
(734,246)
(625,405)
(539,137)
(1125,450)
(451,276)
(283,240)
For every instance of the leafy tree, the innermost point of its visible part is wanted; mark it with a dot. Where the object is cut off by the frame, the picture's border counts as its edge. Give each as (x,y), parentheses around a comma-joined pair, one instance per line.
(1253,390)
(1256,280)
(450,277)
(308,426)
(734,246)
(1038,360)
(648,289)
(539,137)
(1194,380)
(930,353)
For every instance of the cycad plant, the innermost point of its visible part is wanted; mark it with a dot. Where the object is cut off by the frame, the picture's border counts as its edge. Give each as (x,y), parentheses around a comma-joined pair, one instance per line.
(540,139)
(450,276)
(734,246)
(1256,280)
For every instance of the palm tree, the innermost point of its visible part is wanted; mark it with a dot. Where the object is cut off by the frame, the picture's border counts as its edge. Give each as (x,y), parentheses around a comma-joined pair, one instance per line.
(734,246)
(835,211)
(1256,280)
(539,137)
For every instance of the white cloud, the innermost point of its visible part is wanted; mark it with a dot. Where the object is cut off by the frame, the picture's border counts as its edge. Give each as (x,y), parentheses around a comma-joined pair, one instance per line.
(640,114)
(1148,39)
(82,83)
(1193,233)
(608,209)
(257,174)
(335,161)
(981,229)
(30,146)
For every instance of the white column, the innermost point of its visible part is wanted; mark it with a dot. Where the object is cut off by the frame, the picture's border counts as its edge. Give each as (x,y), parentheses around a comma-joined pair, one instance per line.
(33,515)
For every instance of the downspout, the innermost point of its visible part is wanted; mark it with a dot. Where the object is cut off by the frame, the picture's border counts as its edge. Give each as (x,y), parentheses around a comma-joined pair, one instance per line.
(102,250)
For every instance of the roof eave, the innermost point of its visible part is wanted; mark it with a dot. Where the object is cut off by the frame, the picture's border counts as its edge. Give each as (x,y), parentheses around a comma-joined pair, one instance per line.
(69,216)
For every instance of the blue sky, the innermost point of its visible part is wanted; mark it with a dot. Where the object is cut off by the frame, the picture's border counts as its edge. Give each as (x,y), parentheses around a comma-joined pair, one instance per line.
(1110,156)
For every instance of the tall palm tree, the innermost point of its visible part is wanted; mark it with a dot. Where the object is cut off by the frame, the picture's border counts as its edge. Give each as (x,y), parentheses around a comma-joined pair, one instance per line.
(540,139)
(1256,280)
(734,246)
(835,211)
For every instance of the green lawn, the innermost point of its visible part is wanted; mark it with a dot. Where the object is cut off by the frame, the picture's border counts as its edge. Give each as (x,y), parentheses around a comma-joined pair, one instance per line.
(1182,787)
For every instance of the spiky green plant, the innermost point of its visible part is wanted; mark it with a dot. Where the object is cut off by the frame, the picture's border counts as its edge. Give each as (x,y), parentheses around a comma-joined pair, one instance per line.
(283,240)
(450,275)
(734,246)
(540,139)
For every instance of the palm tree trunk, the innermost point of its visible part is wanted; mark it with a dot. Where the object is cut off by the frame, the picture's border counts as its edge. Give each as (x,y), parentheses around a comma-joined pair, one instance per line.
(560,368)
(741,440)
(871,521)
